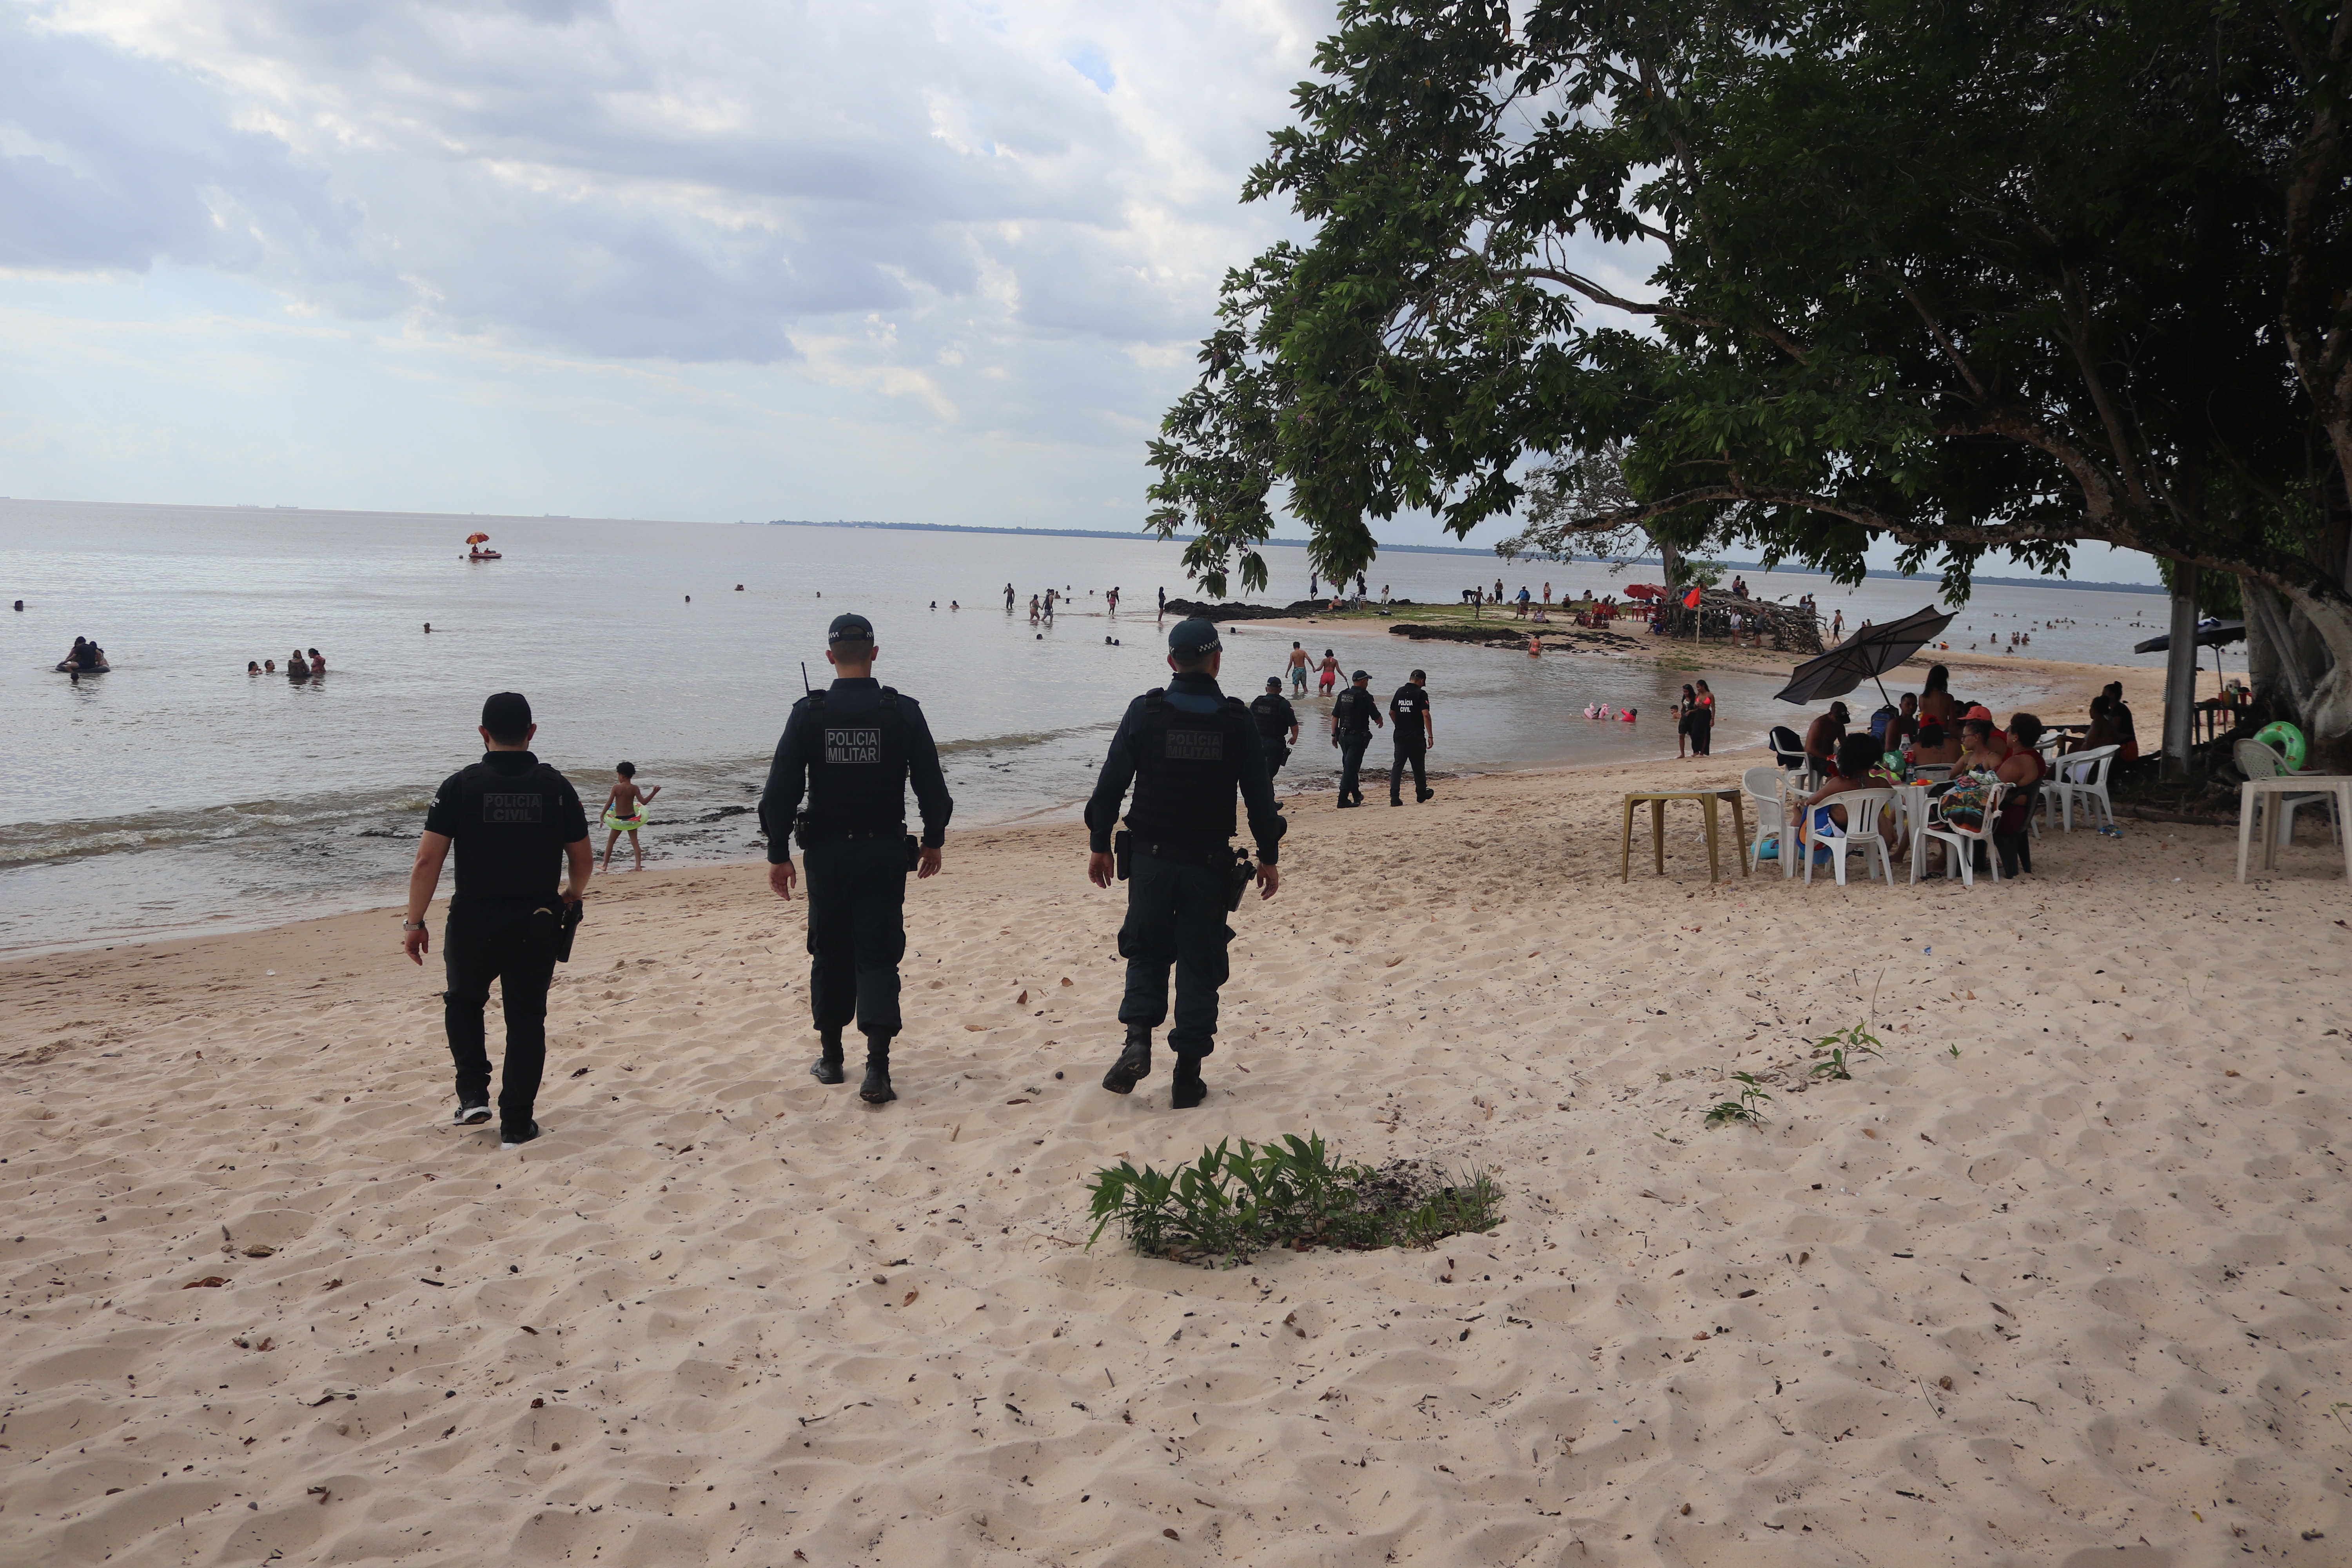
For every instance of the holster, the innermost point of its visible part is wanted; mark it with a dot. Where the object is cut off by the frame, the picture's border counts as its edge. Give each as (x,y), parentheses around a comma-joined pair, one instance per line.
(800,829)
(914,852)
(1238,878)
(1122,851)
(573,914)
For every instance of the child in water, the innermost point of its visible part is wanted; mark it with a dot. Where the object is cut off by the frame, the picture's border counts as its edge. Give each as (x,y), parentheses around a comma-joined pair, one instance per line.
(625,812)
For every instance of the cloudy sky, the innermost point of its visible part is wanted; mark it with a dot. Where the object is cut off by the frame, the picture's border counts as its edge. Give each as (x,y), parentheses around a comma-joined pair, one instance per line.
(930,261)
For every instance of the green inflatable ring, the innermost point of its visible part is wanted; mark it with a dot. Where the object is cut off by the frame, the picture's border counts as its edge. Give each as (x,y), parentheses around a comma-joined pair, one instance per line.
(2287,739)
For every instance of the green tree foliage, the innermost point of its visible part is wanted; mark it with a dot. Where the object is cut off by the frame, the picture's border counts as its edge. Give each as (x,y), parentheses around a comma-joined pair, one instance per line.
(1993,276)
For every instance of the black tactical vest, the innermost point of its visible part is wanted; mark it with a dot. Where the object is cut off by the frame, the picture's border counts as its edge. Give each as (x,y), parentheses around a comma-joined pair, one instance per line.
(857,767)
(1354,708)
(1271,719)
(1187,767)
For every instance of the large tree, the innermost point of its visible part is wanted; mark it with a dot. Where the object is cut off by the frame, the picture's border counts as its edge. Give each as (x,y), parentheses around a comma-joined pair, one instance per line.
(2000,276)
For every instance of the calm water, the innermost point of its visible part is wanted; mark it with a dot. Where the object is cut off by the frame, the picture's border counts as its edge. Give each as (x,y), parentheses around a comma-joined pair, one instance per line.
(176,793)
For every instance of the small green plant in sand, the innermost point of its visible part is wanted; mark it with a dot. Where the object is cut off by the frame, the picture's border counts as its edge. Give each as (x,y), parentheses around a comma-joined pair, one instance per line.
(1854,1041)
(1745,1112)
(1234,1201)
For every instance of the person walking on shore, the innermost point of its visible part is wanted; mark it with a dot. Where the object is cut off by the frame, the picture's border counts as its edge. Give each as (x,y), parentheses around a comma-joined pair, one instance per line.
(1277,725)
(1187,748)
(514,820)
(854,747)
(625,812)
(1353,714)
(1416,731)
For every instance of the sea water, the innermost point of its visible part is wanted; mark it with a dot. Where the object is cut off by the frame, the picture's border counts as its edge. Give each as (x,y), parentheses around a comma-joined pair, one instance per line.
(178,795)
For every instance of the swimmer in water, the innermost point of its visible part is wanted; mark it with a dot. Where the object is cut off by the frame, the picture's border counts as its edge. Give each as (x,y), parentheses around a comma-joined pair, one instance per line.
(625,812)
(251,668)
(318,662)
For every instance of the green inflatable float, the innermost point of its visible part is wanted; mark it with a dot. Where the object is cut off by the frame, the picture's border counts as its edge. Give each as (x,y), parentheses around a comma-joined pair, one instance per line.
(2284,738)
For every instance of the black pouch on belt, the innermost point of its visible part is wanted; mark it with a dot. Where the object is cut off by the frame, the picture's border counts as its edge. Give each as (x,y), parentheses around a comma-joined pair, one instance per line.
(914,852)
(1122,849)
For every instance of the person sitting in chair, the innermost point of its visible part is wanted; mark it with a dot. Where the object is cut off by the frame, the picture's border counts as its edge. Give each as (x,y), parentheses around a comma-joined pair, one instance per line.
(1856,756)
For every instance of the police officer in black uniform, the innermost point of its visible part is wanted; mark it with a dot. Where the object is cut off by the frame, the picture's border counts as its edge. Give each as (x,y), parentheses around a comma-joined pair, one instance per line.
(514,820)
(1277,725)
(1353,713)
(1186,747)
(1416,731)
(854,746)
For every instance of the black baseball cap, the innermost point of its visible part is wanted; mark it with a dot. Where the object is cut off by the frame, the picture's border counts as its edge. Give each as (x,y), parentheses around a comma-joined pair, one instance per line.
(506,714)
(849,629)
(1194,638)
(1274,683)
(1361,675)
(1418,674)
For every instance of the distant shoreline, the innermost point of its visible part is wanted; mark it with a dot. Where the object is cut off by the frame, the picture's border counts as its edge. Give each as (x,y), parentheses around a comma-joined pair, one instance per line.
(1788,568)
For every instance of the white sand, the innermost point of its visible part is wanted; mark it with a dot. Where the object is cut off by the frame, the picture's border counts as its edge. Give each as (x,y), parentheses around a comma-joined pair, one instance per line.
(775,1326)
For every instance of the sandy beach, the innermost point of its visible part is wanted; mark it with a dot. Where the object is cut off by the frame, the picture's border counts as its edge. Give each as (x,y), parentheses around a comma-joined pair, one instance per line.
(2047,1282)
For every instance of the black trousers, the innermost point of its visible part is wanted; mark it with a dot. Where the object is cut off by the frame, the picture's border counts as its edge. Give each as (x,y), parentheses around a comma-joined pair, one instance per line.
(482,942)
(1175,917)
(1702,736)
(1276,753)
(2015,849)
(1417,758)
(856,931)
(1352,746)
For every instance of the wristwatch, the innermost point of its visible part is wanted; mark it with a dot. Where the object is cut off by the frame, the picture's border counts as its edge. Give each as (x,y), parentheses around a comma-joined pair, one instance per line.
(407,924)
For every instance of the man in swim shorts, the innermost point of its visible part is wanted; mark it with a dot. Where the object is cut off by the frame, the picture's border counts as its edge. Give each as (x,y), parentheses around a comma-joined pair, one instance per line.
(625,812)
(1298,670)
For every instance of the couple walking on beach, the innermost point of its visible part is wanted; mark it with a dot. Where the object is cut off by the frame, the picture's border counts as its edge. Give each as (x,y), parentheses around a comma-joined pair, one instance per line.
(849,752)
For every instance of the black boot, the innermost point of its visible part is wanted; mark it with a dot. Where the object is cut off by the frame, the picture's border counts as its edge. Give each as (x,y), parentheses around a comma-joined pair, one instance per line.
(877,1089)
(1186,1090)
(827,1069)
(1134,1062)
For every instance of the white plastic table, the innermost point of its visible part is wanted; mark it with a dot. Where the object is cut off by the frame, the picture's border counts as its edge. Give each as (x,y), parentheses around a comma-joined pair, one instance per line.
(2337,785)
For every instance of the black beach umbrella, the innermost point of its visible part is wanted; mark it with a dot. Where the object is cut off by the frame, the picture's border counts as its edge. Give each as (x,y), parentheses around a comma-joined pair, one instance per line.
(2209,634)
(1865,655)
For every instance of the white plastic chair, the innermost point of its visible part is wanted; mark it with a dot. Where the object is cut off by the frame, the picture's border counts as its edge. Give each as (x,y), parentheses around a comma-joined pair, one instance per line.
(1860,833)
(1963,840)
(2090,786)
(2257,760)
(1763,789)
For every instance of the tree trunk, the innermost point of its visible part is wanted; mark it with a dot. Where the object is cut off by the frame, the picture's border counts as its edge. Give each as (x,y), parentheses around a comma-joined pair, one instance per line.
(2180,674)
(2291,653)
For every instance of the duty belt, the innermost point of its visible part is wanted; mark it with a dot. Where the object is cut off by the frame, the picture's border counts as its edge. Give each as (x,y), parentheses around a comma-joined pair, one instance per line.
(1214,856)
(835,835)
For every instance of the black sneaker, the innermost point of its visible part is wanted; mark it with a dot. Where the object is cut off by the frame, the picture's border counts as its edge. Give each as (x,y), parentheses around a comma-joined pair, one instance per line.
(471,1116)
(511,1140)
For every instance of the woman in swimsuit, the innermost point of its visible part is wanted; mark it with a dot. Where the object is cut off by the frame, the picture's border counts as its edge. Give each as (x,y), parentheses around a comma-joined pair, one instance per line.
(1330,673)
(295,668)
(1821,816)
(625,812)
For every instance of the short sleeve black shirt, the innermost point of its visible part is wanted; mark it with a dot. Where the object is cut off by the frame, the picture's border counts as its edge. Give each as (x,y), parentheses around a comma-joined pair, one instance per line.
(510,816)
(1407,706)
